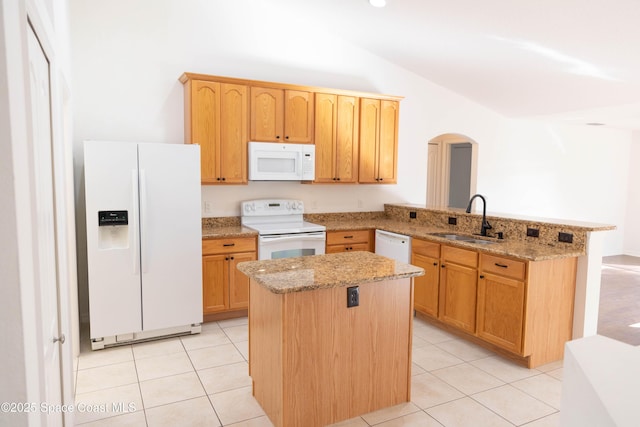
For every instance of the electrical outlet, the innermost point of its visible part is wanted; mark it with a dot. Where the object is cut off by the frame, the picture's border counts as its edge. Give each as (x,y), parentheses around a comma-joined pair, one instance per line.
(207,207)
(565,237)
(453,220)
(412,215)
(533,232)
(353,296)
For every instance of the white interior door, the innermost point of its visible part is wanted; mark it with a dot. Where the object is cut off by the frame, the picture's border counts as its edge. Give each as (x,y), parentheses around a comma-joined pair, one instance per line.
(47,279)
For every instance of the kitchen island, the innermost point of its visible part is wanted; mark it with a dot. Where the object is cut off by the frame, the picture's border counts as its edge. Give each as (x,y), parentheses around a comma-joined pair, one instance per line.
(320,352)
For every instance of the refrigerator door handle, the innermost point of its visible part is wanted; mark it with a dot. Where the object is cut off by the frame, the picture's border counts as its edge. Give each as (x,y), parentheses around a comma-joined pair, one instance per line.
(143,222)
(136,242)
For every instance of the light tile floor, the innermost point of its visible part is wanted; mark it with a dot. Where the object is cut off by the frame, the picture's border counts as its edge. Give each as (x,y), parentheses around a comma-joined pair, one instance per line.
(202,380)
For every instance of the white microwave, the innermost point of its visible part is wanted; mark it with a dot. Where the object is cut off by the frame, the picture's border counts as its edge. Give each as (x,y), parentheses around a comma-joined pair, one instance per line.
(276,161)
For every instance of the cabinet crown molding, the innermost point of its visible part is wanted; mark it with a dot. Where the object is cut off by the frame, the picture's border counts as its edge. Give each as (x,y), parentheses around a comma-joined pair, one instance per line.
(222,79)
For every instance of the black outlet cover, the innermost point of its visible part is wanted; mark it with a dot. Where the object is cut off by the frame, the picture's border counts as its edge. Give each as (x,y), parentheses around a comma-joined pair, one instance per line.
(453,220)
(565,237)
(353,296)
(412,214)
(533,232)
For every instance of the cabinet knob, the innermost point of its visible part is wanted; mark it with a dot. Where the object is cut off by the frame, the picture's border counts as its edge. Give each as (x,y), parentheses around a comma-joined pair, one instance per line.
(232,258)
(286,137)
(338,179)
(442,266)
(482,276)
(224,179)
(435,263)
(218,178)
(277,136)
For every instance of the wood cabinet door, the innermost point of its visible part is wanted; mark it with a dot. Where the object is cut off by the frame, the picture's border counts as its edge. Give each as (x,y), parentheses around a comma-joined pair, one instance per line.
(369,134)
(205,126)
(215,283)
(501,311)
(326,112)
(298,116)
(388,142)
(347,143)
(457,304)
(234,133)
(267,114)
(426,288)
(238,282)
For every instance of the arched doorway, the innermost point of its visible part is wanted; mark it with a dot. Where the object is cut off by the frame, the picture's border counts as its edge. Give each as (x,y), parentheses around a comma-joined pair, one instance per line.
(451,170)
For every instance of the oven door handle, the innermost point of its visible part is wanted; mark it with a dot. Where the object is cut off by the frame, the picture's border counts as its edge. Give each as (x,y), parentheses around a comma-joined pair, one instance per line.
(302,236)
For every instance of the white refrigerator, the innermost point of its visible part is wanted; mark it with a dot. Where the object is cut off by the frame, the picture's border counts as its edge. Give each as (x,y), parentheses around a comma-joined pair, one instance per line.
(144,240)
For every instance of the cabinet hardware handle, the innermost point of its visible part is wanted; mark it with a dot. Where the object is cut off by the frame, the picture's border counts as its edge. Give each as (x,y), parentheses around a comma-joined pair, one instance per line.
(501,265)
(435,263)
(442,266)
(228,244)
(481,276)
(232,258)
(61,339)
(277,136)
(286,137)
(218,178)
(226,259)
(348,237)
(338,179)
(224,179)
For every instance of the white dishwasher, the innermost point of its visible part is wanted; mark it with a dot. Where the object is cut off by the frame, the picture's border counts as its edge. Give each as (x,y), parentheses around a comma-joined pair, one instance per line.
(394,246)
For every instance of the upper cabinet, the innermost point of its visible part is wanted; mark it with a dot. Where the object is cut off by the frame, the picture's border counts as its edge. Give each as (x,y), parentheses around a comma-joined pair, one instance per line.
(216,118)
(355,133)
(378,141)
(336,138)
(279,115)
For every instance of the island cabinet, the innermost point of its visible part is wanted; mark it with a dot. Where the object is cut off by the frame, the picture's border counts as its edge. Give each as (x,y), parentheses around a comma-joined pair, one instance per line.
(336,138)
(378,141)
(216,118)
(349,240)
(281,115)
(315,358)
(224,291)
(426,288)
(458,287)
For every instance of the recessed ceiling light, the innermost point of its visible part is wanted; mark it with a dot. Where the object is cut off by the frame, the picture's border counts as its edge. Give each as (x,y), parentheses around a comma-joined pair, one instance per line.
(595,124)
(378,3)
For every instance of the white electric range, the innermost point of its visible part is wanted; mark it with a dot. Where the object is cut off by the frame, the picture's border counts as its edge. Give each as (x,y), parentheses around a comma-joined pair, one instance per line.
(282,230)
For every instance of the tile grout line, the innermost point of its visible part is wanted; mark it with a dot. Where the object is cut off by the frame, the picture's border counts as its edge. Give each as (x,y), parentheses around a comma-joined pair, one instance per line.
(200,380)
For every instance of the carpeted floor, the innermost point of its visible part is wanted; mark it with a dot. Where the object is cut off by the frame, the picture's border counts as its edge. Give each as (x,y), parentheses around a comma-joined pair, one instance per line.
(620,299)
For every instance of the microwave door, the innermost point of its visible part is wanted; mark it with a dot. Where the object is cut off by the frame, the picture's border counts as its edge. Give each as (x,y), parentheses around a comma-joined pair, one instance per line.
(275,166)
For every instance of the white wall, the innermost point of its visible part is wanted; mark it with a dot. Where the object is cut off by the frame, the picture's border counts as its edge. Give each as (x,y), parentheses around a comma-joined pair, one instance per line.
(632,224)
(127,57)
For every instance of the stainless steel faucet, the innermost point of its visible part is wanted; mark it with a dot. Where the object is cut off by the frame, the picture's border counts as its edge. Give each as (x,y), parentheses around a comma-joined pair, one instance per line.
(485,224)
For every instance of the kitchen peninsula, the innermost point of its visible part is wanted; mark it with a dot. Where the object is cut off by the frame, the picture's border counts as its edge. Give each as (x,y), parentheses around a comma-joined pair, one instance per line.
(329,335)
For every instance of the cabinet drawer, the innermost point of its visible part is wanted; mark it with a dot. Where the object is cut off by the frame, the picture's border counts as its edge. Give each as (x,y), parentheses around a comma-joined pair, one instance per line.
(223,246)
(425,248)
(503,266)
(460,256)
(347,237)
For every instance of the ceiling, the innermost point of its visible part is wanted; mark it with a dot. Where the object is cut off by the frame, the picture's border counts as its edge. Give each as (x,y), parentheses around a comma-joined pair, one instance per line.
(576,61)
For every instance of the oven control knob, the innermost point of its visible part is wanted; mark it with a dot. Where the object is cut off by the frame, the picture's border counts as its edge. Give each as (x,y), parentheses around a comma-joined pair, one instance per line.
(298,206)
(249,207)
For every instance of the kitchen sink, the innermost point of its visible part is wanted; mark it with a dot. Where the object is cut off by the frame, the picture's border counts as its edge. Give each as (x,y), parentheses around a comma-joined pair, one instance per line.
(463,238)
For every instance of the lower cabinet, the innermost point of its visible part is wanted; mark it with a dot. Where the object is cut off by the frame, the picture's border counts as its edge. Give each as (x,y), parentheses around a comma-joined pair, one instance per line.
(223,287)
(458,287)
(426,288)
(523,309)
(349,240)
(501,291)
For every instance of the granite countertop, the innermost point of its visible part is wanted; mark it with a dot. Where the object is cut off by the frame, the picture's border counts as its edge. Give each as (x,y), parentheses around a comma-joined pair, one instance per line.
(216,232)
(521,249)
(286,275)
